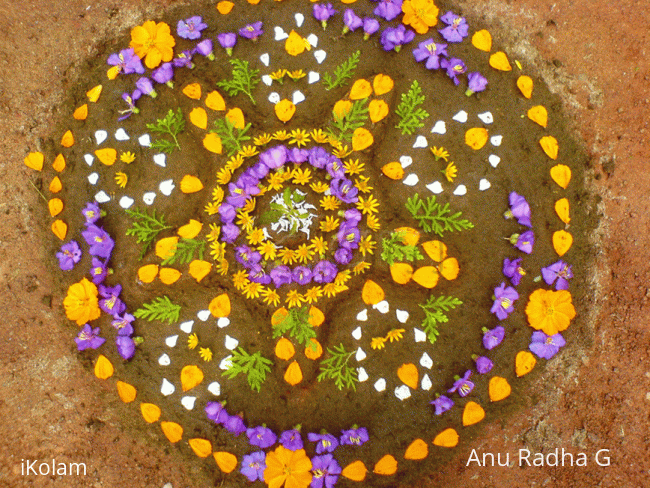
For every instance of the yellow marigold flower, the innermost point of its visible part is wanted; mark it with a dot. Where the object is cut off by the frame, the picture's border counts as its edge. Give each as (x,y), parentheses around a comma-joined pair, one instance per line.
(127,157)
(301,176)
(217,250)
(206,354)
(268,250)
(329,224)
(214,233)
(319,245)
(248,151)
(439,153)
(153,42)
(234,163)
(550,311)
(450,172)
(281,135)
(420,14)
(212,208)
(294,299)
(330,202)
(192,341)
(373,223)
(255,236)
(287,468)
(303,253)
(121,179)
(353,167)
(368,206)
(287,256)
(252,289)
(341,151)
(313,294)
(362,184)
(262,140)
(217,195)
(366,245)
(222,267)
(223,176)
(271,297)
(360,268)
(240,279)
(319,187)
(319,136)
(278,75)
(296,74)
(395,334)
(342,277)
(81,303)
(276,180)
(245,221)
(378,342)
(249,206)
(299,137)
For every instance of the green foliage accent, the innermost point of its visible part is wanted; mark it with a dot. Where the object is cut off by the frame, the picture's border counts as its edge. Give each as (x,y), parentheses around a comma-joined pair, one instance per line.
(231,137)
(254,366)
(410,115)
(395,250)
(173,124)
(343,128)
(434,217)
(343,72)
(244,80)
(434,311)
(336,368)
(184,251)
(297,324)
(161,308)
(289,210)
(145,228)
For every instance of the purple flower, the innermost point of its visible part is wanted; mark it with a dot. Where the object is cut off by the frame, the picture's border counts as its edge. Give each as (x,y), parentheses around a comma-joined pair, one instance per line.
(476,83)
(454,67)
(144,85)
(457,28)
(216,412)
(318,157)
(323,12)
(324,272)
(523,242)
(492,338)
(259,170)
(512,269)
(463,386)
(127,61)
(483,364)
(205,48)
(258,275)
(504,299)
(354,437)
(370,26)
(69,255)
(298,156)
(431,51)
(130,99)
(253,466)
(275,157)
(190,28)
(394,38)
(326,442)
(559,271)
(88,338)
(388,9)
(326,471)
(227,213)
(123,324)
(349,236)
(351,20)
(91,212)
(125,346)
(545,346)
(110,303)
(281,275)
(227,41)
(442,404)
(343,255)
(234,424)
(344,190)
(184,60)
(291,439)
(246,256)
(335,168)
(352,215)
(252,31)
(301,275)
(164,74)
(98,271)
(230,232)
(261,437)
(519,209)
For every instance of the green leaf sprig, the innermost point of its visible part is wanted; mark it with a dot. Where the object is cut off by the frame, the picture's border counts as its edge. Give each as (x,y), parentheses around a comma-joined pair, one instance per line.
(433,217)
(161,308)
(254,366)
(231,137)
(172,124)
(434,311)
(410,115)
(296,323)
(244,80)
(343,72)
(393,249)
(184,251)
(145,228)
(342,129)
(336,368)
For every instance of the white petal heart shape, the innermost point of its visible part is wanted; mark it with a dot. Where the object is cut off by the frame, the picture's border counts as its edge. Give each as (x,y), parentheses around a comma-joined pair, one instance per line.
(93,178)
(280,35)
(439,127)
(405,161)
(167,388)
(360,355)
(265,58)
(121,135)
(126,202)
(435,187)
(356,333)
(320,56)
(486,117)
(420,142)
(149,197)
(484,184)
(187,326)
(403,392)
(100,136)
(426,361)
(460,117)
(460,190)
(230,343)
(494,160)
(145,140)
(102,197)
(411,180)
(164,360)
(363,315)
(313,77)
(420,336)
(380,384)
(171,341)
(188,402)
(166,187)
(160,160)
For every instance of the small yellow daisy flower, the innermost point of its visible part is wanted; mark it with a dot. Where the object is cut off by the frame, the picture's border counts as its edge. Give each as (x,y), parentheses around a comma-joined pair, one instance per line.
(360,268)
(366,245)
(223,176)
(234,163)
(301,176)
(377,342)
(439,153)
(240,279)
(287,256)
(299,137)
(212,208)
(330,290)
(330,202)
(329,224)
(276,180)
(281,135)
(373,223)
(249,206)
(206,354)
(252,289)
(294,299)
(342,277)
(217,250)
(255,236)
(268,250)
(303,253)
(319,187)
(217,195)
(121,179)
(262,140)
(319,245)
(271,296)
(222,267)
(213,233)
(450,172)
(353,167)
(192,341)
(395,334)
(278,75)
(368,206)
(362,184)
(127,157)
(341,151)
(313,294)
(319,136)
(248,151)
(296,75)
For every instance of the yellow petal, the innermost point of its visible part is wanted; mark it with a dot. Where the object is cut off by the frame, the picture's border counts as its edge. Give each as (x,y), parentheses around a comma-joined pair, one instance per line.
(284,349)
(199,269)
(372,293)
(150,412)
(361,139)
(382,84)
(562,210)
(482,40)
(224,7)
(94,93)
(436,250)
(313,353)
(446,438)
(191,184)
(378,110)
(193,91)
(524,363)
(190,230)
(226,461)
(426,276)
(295,44)
(342,108)
(201,447)
(236,118)
(561,174)
(393,170)
(550,146)
(59,163)
(107,155)
(293,375)
(498,389)
(215,101)
(386,466)
(148,273)
(55,206)
(68,139)
(166,247)
(191,376)
(472,414)
(212,142)
(103,368)
(525,85)
(449,269)
(408,374)
(34,160)
(360,89)
(199,118)
(499,61)
(539,115)
(60,229)
(401,272)
(316,317)
(355,471)
(55,185)
(220,306)
(284,110)
(126,392)
(172,430)
(113,72)
(476,138)
(81,113)
(417,450)
(169,276)
(562,242)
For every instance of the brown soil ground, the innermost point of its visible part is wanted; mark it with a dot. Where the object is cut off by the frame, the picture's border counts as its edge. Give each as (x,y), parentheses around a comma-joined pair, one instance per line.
(591,53)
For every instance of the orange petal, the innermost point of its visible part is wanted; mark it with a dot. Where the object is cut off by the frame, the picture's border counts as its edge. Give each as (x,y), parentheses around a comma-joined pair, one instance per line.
(169,276)
(224,7)
(499,389)
(126,392)
(226,461)
(499,61)
(190,230)
(342,108)
(401,272)
(150,412)
(316,316)
(148,273)
(360,89)
(562,210)
(393,170)
(524,363)
(172,430)
(199,269)
(284,110)
(215,101)
(562,242)
(315,351)
(473,414)
(426,276)
(476,138)
(525,85)
(408,374)
(34,160)
(436,250)
(293,375)
(284,349)
(94,93)
(81,113)
(417,450)
(55,185)
(103,368)
(378,110)
(201,447)
(193,91)
(191,376)
(561,174)
(220,306)
(113,72)
(59,163)
(212,142)
(68,139)
(236,118)
(166,247)
(107,156)
(539,115)
(449,269)
(199,118)
(386,466)
(410,236)
(482,40)
(361,139)
(355,471)
(60,229)
(550,146)
(191,184)
(372,293)
(382,84)
(279,316)
(295,44)
(55,206)
(446,438)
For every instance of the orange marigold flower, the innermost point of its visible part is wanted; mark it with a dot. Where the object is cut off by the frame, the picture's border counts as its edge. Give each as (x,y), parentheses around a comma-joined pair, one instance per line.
(153,42)
(550,311)
(81,304)
(287,468)
(420,14)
